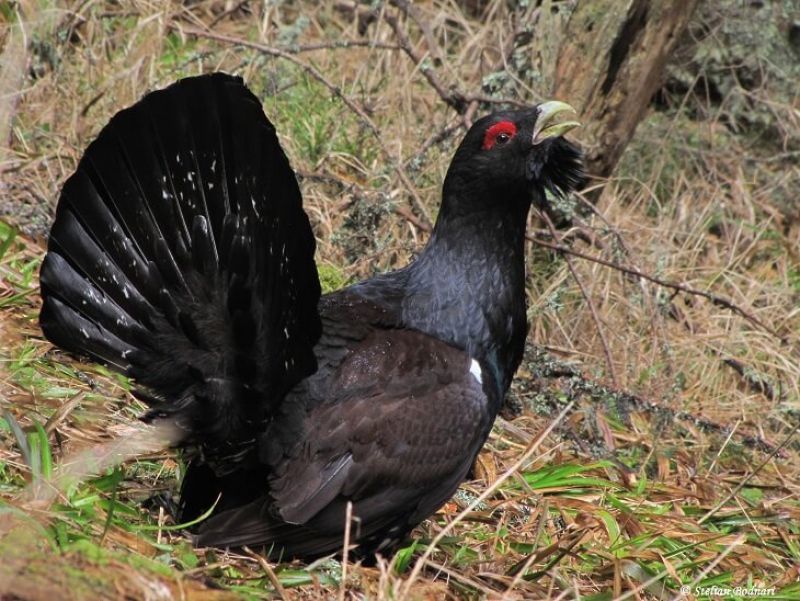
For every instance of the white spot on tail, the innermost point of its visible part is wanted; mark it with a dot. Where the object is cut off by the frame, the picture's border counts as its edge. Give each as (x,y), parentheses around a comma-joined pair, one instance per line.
(475,370)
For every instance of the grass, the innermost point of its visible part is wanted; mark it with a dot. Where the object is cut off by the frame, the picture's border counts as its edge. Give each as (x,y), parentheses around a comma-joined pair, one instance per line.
(634,494)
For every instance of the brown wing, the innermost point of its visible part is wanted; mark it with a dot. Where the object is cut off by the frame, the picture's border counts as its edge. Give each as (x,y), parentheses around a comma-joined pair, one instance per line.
(408,416)
(405,418)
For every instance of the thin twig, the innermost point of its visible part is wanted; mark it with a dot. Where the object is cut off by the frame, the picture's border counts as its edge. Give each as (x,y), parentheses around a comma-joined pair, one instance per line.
(273,577)
(489,592)
(469,114)
(717,560)
(406,214)
(592,309)
(415,572)
(634,592)
(754,381)
(437,138)
(400,210)
(413,13)
(341,45)
(720,301)
(110,515)
(750,476)
(518,571)
(346,550)
(226,13)
(502,100)
(561,553)
(161,516)
(452,97)
(334,89)
(611,227)
(63,411)
(579,385)
(723,447)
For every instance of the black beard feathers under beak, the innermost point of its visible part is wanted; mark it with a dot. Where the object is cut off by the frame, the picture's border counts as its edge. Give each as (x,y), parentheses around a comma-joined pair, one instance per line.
(556,166)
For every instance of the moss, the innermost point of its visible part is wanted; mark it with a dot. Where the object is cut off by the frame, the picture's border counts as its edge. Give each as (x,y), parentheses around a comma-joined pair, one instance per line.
(331,277)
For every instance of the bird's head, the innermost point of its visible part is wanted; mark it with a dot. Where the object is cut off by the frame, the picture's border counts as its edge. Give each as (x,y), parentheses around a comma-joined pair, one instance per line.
(515,156)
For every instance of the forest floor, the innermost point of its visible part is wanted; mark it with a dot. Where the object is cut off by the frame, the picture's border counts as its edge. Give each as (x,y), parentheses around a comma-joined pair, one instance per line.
(649,443)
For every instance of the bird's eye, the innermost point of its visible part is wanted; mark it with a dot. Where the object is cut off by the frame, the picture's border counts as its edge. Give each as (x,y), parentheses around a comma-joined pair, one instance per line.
(499,133)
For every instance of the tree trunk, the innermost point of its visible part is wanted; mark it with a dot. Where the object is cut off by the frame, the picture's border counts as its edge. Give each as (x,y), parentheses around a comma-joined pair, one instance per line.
(610,63)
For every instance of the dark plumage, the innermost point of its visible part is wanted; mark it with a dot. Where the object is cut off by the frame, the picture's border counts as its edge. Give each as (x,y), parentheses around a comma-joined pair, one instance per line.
(181,255)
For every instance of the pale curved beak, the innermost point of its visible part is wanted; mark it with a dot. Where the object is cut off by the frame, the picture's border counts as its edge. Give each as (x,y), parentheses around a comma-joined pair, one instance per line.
(545,127)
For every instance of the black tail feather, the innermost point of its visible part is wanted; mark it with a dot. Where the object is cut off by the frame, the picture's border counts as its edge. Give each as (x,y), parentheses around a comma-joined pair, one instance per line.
(181,255)
(65,324)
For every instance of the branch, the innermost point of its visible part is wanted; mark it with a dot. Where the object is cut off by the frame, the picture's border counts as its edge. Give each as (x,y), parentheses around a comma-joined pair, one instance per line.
(435,139)
(577,385)
(717,300)
(454,97)
(340,45)
(226,13)
(413,13)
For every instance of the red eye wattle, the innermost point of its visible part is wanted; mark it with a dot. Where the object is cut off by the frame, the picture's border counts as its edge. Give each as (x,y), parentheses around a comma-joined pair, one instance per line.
(499,133)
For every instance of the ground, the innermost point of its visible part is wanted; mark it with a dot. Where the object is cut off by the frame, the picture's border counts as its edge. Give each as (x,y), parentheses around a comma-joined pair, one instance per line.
(649,442)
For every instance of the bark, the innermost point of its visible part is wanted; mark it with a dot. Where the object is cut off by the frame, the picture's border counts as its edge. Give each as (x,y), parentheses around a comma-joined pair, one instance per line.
(611,61)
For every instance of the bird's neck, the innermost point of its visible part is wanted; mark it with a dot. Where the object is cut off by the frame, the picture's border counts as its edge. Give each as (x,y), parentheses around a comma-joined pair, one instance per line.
(467,287)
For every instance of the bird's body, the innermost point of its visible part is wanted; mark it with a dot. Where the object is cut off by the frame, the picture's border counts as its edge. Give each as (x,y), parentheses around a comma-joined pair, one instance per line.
(181,255)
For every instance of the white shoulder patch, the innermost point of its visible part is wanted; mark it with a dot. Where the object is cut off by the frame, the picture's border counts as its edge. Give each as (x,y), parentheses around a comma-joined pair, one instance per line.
(475,370)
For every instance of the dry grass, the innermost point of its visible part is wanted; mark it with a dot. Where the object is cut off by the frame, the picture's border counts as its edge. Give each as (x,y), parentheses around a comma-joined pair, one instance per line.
(610,506)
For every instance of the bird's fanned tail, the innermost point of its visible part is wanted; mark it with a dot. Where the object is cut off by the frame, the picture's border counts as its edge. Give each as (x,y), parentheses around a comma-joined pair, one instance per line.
(181,255)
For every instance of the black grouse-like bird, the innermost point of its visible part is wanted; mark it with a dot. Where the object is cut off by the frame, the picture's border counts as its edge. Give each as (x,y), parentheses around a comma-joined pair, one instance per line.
(181,256)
